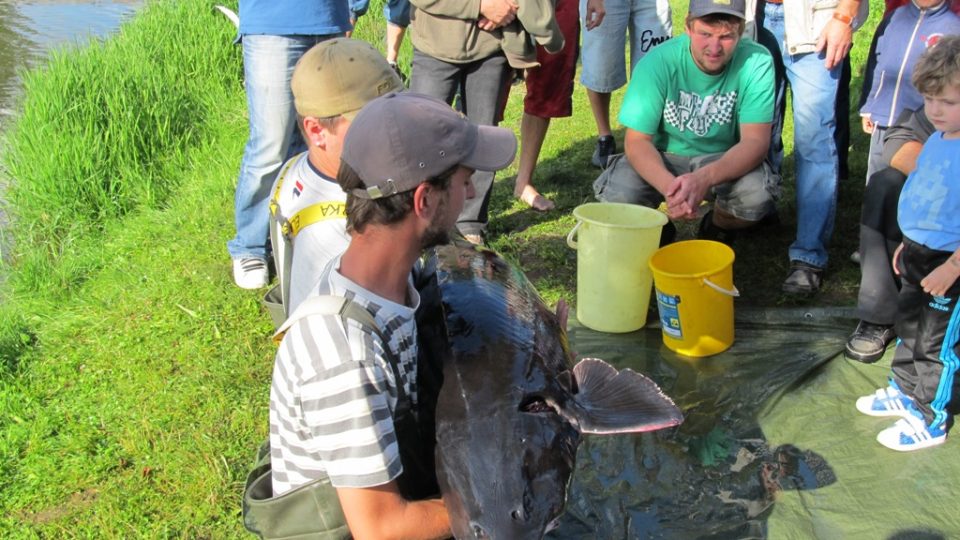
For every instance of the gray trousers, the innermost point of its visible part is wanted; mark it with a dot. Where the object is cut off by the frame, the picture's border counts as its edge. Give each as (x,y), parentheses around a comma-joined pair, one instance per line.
(483,85)
(750,197)
(879,237)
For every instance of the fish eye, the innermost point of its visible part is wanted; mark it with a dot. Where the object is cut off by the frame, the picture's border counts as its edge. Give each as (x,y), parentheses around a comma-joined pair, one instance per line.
(535,404)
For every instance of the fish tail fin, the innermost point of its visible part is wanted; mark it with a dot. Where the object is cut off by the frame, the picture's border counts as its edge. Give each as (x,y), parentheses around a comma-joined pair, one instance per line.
(612,401)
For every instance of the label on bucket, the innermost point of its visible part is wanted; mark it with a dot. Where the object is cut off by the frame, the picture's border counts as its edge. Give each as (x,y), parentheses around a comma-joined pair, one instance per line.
(669,314)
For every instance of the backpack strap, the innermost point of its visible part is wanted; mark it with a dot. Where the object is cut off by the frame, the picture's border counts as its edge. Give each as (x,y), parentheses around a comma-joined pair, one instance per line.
(283,230)
(327,304)
(282,248)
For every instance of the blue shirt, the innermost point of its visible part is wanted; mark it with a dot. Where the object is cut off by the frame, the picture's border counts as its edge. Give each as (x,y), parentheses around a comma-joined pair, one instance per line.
(298,18)
(929,208)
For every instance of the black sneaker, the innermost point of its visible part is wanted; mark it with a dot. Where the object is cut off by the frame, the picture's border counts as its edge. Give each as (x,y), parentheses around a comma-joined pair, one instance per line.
(606,147)
(803,278)
(869,341)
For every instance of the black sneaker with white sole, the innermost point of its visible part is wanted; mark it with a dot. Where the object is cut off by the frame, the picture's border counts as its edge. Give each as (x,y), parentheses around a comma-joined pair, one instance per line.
(869,341)
(606,147)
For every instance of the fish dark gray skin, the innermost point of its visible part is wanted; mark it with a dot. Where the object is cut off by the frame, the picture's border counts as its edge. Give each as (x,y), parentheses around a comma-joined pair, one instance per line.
(512,405)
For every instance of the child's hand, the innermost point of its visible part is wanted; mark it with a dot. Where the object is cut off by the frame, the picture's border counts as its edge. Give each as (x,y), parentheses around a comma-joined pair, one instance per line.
(867,124)
(940,280)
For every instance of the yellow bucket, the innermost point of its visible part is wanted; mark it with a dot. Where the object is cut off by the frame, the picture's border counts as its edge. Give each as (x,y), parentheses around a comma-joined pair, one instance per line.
(695,292)
(614,242)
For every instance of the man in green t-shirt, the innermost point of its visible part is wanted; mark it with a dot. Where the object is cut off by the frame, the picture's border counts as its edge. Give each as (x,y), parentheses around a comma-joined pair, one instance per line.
(698,111)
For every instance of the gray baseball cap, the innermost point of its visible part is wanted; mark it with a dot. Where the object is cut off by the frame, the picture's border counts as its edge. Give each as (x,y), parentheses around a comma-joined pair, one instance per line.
(399,140)
(700,8)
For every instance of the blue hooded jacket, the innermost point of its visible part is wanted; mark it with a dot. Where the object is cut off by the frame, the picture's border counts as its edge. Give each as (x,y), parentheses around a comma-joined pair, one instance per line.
(899,41)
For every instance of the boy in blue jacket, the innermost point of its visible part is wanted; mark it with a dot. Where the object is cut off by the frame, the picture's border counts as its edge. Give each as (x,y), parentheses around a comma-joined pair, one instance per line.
(924,367)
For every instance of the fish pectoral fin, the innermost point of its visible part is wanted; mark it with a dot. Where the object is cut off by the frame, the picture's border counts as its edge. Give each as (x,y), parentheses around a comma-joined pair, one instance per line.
(611,401)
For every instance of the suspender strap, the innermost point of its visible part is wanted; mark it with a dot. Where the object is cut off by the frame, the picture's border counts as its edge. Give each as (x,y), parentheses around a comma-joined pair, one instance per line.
(275,200)
(282,233)
(314,213)
(338,305)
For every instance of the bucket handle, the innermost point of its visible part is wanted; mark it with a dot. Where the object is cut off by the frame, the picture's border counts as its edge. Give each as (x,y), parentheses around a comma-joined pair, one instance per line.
(731,292)
(570,241)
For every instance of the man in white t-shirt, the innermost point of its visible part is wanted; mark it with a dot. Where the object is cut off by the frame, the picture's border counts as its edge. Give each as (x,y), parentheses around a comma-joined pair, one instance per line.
(344,392)
(331,83)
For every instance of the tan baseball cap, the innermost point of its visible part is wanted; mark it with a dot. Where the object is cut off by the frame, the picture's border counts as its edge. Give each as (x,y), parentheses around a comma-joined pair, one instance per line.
(339,76)
(398,141)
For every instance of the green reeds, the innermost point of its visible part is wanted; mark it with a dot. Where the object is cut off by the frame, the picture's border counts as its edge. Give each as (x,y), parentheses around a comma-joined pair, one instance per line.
(104,129)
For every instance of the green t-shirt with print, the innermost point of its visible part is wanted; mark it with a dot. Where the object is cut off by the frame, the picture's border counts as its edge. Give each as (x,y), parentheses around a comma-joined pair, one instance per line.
(691,113)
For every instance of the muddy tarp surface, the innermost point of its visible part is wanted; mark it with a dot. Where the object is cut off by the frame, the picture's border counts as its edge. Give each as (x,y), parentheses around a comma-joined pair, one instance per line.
(772,445)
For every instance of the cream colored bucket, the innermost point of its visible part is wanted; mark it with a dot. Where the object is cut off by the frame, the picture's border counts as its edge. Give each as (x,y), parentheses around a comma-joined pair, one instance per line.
(614,242)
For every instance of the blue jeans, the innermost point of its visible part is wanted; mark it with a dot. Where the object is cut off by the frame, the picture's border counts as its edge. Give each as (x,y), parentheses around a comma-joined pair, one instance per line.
(814,91)
(268,63)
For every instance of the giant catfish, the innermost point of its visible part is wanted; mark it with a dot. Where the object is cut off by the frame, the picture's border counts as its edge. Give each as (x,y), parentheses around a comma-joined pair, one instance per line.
(512,406)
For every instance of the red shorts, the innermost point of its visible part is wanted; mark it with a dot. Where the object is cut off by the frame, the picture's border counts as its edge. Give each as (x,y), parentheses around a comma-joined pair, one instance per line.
(550,86)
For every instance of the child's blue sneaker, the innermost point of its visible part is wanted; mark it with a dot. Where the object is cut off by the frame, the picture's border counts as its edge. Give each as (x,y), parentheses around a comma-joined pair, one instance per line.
(912,433)
(887,401)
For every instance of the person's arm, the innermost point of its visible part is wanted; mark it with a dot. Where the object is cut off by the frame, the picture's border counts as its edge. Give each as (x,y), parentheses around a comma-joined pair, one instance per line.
(905,158)
(688,190)
(496,12)
(941,278)
(903,140)
(741,158)
(837,35)
(381,513)
(645,159)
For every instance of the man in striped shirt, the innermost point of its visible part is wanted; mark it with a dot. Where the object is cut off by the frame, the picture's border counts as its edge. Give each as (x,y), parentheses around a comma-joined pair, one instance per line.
(343,392)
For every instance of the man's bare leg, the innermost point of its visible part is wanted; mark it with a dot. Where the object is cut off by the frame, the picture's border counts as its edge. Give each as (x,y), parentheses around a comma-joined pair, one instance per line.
(533,130)
(600,104)
(394,39)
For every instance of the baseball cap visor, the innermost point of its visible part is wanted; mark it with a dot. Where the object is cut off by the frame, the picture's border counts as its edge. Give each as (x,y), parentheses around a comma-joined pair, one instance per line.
(495,149)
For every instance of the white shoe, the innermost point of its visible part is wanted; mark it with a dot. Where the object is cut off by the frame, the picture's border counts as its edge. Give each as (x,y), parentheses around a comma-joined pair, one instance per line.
(250,273)
(911,433)
(887,401)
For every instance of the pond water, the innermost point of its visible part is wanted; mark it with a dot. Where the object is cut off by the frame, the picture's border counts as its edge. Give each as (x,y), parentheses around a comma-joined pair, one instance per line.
(29,30)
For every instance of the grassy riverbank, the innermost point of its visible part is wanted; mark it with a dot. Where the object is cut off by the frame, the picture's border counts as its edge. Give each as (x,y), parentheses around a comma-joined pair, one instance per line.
(134,377)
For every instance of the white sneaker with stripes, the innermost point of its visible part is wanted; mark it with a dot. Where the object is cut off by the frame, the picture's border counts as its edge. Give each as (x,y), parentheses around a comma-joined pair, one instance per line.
(887,401)
(250,273)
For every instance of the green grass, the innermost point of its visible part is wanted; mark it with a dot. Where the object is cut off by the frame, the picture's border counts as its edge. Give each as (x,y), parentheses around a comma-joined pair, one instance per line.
(134,377)
(103,130)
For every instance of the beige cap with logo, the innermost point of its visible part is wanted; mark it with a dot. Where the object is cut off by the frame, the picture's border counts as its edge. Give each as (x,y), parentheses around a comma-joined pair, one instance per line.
(339,76)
